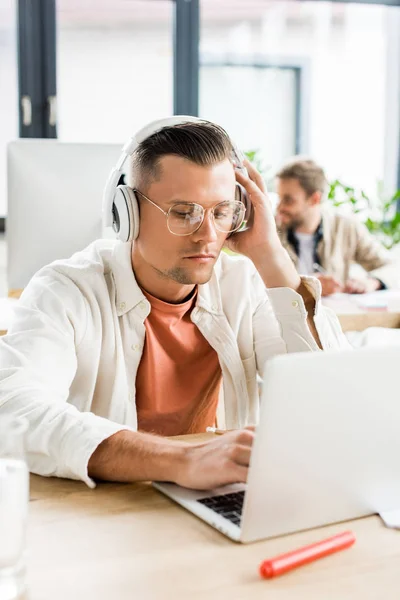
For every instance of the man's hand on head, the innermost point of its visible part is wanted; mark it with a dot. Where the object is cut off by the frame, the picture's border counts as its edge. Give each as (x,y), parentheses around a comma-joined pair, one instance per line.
(261,243)
(262,230)
(362,286)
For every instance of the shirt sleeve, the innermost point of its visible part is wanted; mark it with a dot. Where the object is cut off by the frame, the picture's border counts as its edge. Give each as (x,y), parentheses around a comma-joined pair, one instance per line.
(284,310)
(37,365)
(374,258)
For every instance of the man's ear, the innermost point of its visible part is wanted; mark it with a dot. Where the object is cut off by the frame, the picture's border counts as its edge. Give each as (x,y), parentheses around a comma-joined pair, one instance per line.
(315,198)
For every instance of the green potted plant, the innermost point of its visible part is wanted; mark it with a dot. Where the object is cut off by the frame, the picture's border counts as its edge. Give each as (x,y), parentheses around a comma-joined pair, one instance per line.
(380,213)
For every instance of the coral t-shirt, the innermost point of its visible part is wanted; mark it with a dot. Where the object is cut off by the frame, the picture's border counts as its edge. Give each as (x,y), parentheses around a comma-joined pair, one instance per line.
(179,376)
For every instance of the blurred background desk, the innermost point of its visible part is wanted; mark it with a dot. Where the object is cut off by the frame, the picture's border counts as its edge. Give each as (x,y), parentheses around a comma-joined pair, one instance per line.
(358,312)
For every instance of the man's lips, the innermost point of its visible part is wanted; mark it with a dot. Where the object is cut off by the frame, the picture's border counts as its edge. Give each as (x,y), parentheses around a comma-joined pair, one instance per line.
(202,257)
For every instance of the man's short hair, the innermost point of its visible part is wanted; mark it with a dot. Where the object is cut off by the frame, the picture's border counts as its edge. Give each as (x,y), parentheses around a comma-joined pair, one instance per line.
(202,143)
(310,176)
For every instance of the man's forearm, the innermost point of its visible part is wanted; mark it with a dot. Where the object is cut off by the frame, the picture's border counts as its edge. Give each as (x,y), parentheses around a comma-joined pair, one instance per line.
(135,456)
(277,270)
(276,267)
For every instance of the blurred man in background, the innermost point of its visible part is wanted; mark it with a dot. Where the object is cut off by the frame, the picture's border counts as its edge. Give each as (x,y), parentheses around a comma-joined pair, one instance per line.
(323,242)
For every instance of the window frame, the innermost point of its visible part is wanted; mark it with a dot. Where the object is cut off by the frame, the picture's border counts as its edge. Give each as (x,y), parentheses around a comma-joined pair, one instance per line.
(36,43)
(301,70)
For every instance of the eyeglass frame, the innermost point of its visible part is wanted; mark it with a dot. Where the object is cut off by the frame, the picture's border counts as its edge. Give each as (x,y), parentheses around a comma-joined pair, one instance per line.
(166,213)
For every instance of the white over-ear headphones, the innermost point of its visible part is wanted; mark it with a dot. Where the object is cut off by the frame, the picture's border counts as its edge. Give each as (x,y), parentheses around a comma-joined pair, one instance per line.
(120,205)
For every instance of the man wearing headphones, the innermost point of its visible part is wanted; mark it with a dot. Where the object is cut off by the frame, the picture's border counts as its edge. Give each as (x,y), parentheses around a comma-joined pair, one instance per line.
(159,334)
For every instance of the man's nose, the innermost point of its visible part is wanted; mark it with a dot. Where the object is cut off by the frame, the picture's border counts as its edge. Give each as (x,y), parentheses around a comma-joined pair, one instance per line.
(279,207)
(207,230)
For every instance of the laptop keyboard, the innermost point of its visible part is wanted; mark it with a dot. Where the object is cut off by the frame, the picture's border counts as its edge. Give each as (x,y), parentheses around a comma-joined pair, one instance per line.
(229,506)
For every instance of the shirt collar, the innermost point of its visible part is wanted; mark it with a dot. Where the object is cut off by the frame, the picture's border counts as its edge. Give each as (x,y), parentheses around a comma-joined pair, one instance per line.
(209,297)
(128,293)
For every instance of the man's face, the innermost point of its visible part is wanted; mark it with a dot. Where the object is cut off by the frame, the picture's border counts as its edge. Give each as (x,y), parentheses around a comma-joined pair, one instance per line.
(184,259)
(294,205)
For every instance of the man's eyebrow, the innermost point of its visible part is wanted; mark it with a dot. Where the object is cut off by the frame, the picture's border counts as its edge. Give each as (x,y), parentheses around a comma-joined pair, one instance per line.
(178,201)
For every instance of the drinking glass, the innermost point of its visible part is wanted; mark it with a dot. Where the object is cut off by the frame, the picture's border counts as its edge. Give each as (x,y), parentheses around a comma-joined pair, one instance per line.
(14,498)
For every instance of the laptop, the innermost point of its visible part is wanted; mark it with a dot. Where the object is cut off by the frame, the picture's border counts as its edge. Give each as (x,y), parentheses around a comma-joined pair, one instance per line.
(327,448)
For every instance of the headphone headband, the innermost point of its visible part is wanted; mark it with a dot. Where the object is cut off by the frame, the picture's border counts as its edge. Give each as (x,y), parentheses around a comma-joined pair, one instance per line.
(129,148)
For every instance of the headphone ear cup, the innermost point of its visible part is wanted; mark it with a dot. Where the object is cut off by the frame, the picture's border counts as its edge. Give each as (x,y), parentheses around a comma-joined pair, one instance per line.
(242,196)
(125,214)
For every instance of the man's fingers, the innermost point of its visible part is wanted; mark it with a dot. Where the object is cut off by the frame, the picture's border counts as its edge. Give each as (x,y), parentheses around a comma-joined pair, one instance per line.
(354,287)
(255,175)
(244,437)
(330,285)
(239,474)
(333,281)
(326,278)
(240,454)
(246,181)
(255,193)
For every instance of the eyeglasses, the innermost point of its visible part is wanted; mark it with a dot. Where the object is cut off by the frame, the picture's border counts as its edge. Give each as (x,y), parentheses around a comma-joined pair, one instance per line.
(187,218)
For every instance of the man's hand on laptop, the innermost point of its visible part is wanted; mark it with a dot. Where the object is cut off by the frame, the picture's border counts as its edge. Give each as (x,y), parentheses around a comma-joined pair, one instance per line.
(130,456)
(218,462)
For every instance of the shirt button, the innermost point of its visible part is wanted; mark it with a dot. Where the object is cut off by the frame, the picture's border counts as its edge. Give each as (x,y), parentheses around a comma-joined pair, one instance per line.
(122,306)
(214,307)
(135,347)
(142,306)
(295,304)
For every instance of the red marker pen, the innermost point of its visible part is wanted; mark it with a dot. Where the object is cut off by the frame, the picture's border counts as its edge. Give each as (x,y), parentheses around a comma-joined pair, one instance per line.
(291,560)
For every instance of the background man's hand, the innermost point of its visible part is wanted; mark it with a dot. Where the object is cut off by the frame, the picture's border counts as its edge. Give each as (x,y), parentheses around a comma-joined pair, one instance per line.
(362,286)
(329,284)
(218,462)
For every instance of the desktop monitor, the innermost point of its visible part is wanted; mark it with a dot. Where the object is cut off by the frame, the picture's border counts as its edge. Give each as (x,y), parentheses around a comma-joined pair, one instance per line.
(54,201)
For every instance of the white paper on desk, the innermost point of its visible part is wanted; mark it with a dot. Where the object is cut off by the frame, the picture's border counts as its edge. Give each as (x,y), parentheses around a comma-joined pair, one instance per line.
(391,518)
(375,300)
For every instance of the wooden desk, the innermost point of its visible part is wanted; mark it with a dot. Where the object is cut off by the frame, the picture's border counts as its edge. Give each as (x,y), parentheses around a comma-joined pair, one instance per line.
(354,315)
(122,542)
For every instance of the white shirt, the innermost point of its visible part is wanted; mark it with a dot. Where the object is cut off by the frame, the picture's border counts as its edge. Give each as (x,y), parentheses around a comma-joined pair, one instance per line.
(70,358)
(305,264)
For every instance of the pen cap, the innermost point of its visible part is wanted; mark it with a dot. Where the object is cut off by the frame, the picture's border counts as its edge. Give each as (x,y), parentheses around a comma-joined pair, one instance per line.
(266,569)
(302,556)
